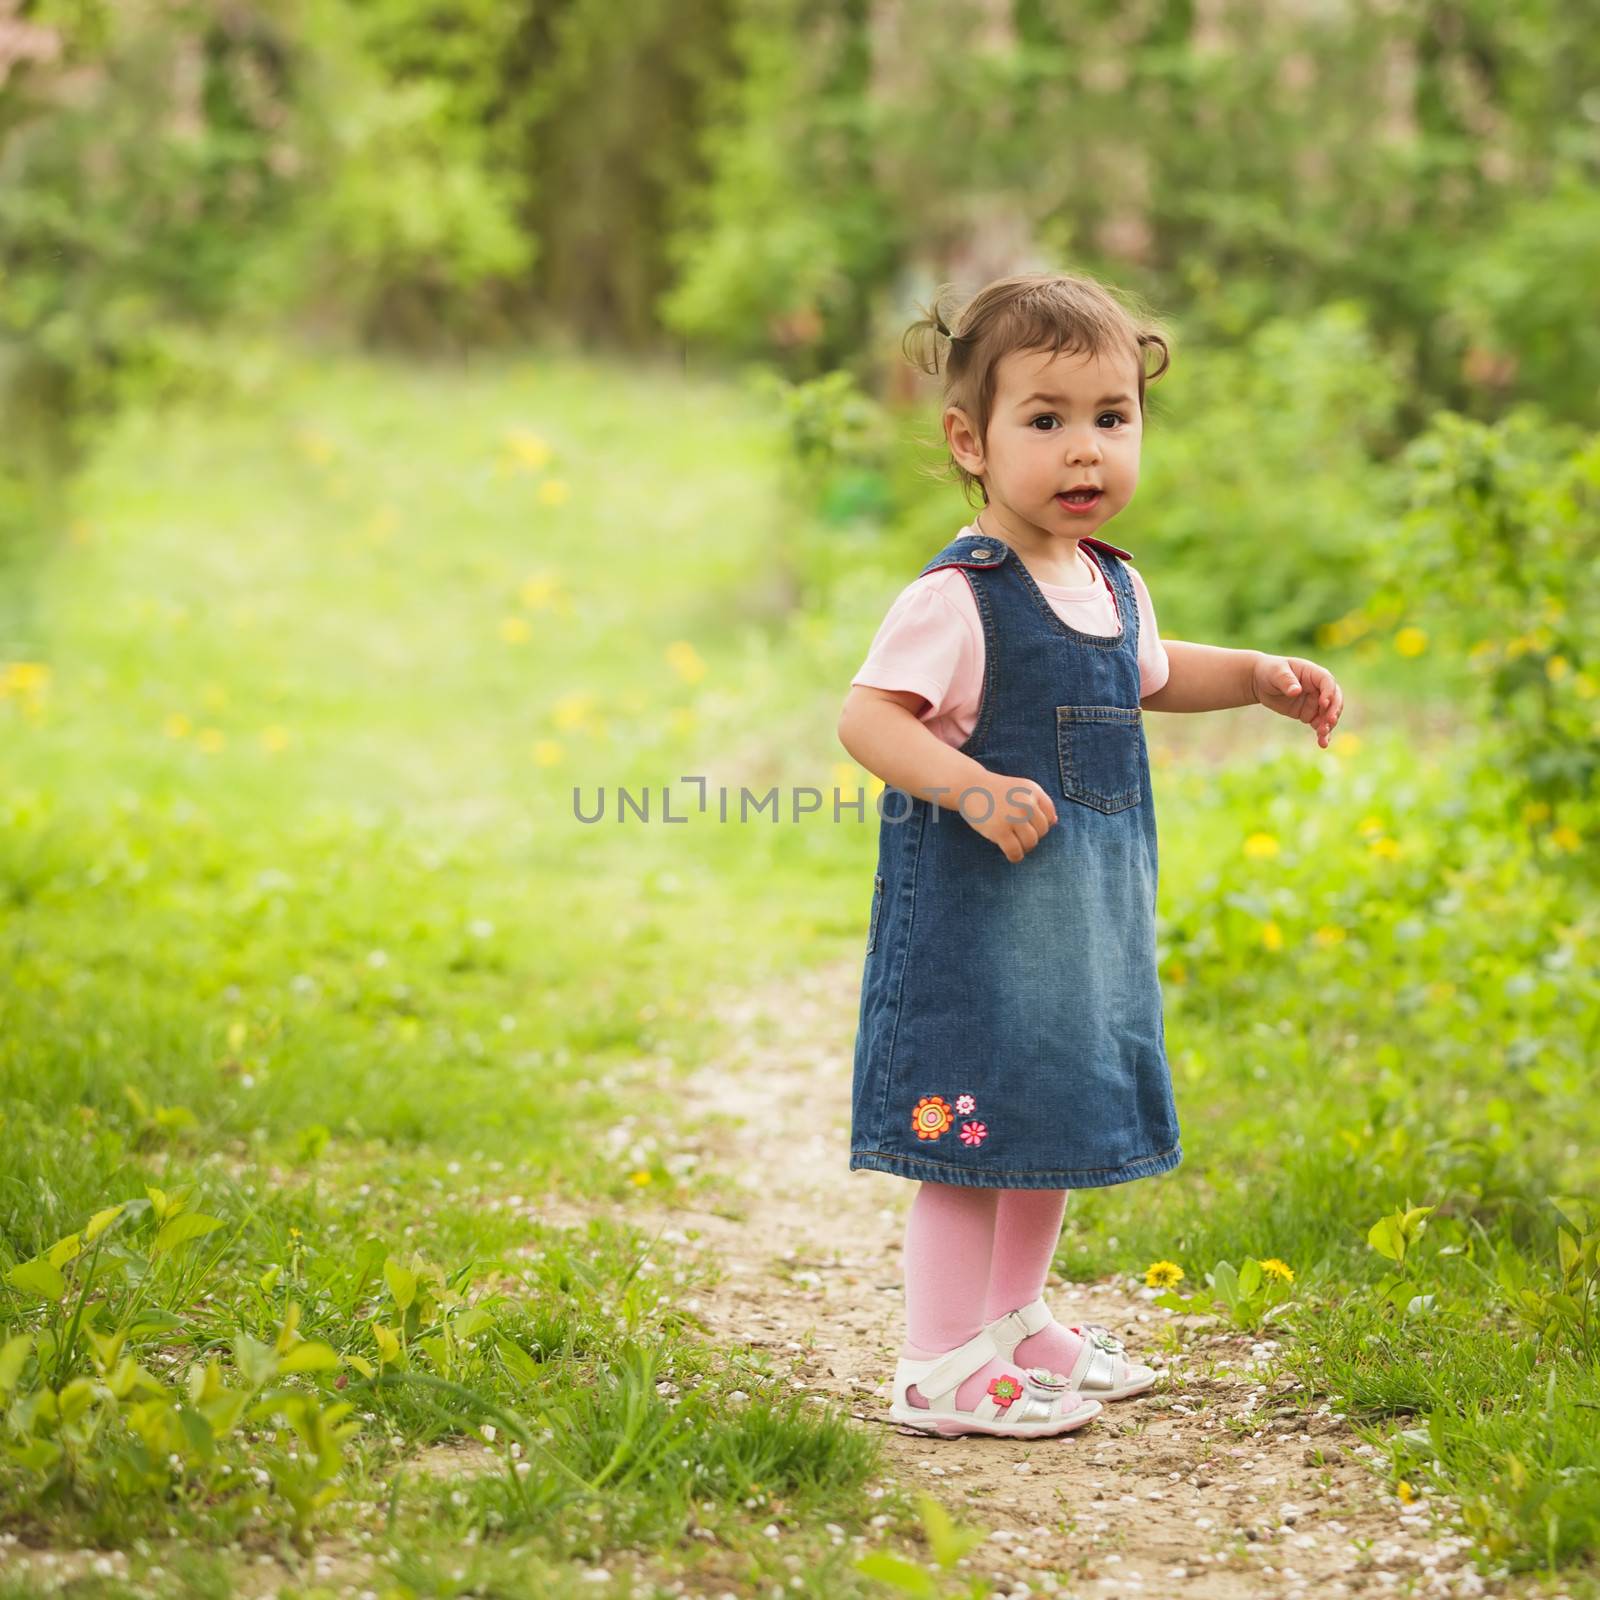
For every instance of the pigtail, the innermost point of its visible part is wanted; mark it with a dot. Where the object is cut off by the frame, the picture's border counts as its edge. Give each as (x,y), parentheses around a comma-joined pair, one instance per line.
(1151,340)
(920,344)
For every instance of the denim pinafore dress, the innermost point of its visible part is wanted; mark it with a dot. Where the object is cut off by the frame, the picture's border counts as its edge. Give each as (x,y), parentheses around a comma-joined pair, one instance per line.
(1011,1033)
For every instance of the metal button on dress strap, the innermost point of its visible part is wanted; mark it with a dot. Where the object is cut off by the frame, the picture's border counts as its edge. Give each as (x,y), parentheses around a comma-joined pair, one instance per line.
(982,555)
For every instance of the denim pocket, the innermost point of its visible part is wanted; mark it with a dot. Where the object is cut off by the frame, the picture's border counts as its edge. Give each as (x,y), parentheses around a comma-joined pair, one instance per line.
(1102,755)
(872,916)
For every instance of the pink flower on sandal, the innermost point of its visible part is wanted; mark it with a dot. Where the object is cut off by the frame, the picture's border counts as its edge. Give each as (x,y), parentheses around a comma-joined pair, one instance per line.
(1005,1389)
(974,1132)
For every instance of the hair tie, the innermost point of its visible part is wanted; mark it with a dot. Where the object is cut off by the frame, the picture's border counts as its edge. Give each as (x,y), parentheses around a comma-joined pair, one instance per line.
(938,322)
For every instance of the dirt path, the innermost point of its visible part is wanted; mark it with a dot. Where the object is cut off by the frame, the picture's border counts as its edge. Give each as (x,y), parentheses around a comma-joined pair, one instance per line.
(1211,1486)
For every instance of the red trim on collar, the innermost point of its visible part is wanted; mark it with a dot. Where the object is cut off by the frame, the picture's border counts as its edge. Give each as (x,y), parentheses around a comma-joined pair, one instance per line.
(1105,544)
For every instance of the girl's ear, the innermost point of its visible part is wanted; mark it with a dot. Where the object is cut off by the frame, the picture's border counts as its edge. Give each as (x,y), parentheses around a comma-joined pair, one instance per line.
(963,440)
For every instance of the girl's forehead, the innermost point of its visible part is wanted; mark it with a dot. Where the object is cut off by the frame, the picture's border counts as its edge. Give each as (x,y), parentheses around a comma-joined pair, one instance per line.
(1094,374)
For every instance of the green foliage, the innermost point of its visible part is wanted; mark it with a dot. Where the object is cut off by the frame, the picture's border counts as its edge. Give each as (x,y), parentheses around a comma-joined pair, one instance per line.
(780,245)
(1498,554)
(420,220)
(1247,1296)
(947,1544)
(1264,485)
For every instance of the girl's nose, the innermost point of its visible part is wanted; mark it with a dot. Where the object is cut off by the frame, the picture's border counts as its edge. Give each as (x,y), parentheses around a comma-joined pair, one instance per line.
(1085,448)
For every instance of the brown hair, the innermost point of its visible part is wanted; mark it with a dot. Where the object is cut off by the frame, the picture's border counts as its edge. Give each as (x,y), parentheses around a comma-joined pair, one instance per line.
(1030,311)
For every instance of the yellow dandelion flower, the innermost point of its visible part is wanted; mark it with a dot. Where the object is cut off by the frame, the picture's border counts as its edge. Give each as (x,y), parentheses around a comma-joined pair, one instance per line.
(1556,668)
(686,661)
(547,752)
(274,738)
(1535,811)
(1566,837)
(211,740)
(1163,1274)
(539,590)
(572,711)
(1177,973)
(1385,847)
(875,787)
(1585,686)
(641,1177)
(1272,936)
(1329,934)
(1370,825)
(315,448)
(526,449)
(294,1233)
(515,630)
(1406,1493)
(553,492)
(1411,641)
(176,726)
(1260,845)
(1345,745)
(25,677)
(1274,1268)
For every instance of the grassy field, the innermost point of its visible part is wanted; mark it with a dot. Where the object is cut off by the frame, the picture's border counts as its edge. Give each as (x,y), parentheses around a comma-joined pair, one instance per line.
(315,975)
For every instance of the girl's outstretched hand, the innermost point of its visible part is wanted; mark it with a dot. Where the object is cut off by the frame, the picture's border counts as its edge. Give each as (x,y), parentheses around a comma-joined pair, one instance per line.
(1295,687)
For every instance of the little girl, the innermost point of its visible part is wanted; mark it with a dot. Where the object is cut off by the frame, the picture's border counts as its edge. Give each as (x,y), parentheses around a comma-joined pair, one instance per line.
(1011,1042)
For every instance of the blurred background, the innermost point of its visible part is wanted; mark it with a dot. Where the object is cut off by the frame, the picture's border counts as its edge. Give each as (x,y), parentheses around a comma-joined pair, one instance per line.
(413,410)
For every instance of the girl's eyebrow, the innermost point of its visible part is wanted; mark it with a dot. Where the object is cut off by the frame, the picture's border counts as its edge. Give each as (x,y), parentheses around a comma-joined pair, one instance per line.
(1109,400)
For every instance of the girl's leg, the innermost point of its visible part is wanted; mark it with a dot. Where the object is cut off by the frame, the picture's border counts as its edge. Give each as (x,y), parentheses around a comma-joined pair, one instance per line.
(1026,1230)
(949,1242)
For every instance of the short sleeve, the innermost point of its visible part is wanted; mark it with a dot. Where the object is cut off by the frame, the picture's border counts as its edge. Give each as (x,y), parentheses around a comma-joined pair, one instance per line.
(924,644)
(1154,665)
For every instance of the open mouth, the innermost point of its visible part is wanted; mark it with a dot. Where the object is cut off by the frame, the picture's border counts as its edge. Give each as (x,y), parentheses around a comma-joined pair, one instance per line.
(1080,499)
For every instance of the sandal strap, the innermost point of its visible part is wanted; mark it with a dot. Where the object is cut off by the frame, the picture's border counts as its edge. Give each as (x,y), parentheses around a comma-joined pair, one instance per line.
(1100,1364)
(1015,1326)
(957,1366)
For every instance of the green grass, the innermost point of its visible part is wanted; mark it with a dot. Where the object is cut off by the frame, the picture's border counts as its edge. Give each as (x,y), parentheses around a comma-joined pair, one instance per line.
(346,967)
(297,914)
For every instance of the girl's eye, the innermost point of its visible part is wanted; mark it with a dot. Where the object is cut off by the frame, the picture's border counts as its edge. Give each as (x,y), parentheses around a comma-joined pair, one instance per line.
(1050,416)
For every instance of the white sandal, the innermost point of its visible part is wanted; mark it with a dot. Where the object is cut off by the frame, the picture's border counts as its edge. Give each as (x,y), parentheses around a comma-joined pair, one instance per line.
(1102,1370)
(1029,1404)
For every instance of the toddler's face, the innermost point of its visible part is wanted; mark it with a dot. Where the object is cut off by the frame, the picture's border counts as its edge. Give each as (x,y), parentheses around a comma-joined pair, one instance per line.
(1085,430)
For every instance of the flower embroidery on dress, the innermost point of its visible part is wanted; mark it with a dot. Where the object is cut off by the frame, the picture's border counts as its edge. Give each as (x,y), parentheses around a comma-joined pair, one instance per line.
(1005,1389)
(974,1132)
(931,1117)
(965,1105)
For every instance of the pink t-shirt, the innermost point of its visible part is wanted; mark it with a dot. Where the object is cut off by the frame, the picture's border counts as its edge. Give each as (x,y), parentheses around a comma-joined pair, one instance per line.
(931,641)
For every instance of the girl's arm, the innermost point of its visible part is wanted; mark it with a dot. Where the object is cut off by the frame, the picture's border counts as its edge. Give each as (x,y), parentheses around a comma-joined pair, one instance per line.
(882,730)
(1207,677)
(1204,677)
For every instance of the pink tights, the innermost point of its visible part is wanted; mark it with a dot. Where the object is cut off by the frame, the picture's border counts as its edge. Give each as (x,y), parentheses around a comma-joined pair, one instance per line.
(972,1255)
